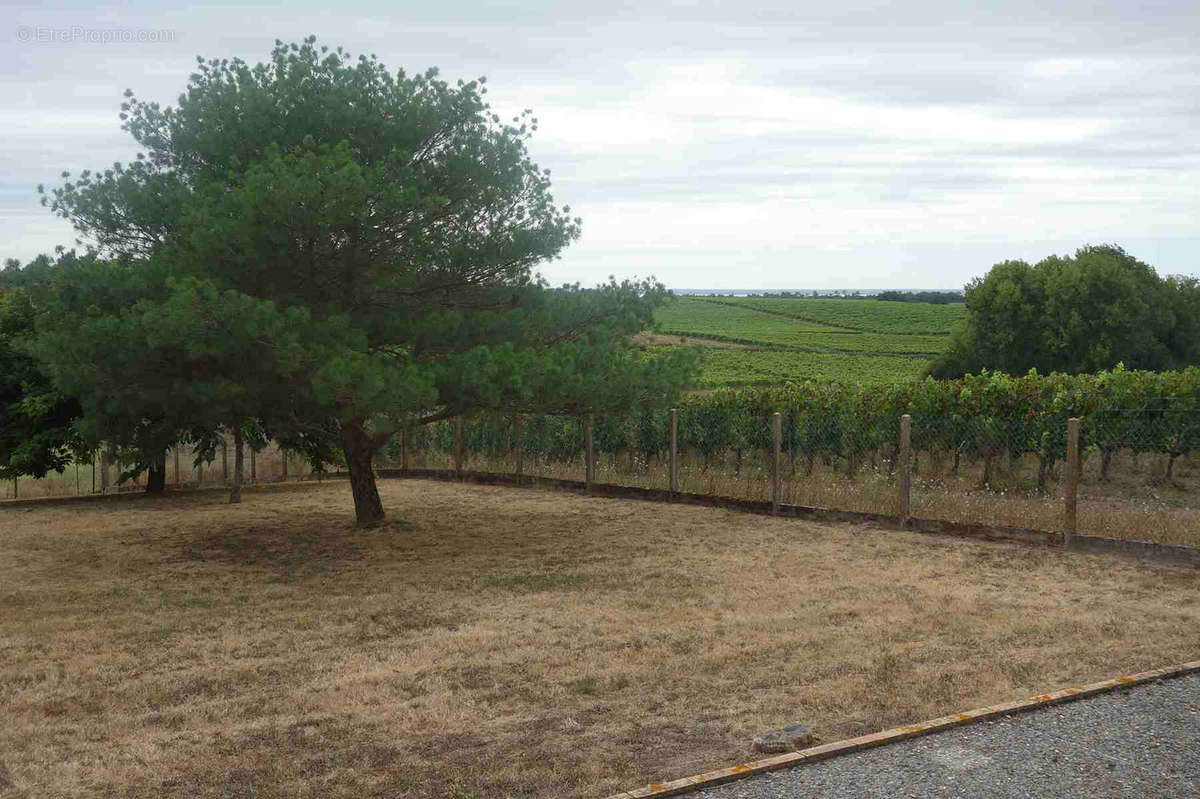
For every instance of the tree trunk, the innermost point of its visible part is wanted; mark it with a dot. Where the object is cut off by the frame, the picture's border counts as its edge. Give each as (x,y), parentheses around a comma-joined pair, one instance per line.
(356,444)
(235,491)
(156,478)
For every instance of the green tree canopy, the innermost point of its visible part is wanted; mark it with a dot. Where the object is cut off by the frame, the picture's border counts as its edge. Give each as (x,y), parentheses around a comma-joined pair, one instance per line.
(1082,313)
(38,432)
(386,226)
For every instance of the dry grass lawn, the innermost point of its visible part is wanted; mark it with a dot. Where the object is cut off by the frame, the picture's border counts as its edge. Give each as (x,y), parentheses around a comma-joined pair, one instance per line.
(500,642)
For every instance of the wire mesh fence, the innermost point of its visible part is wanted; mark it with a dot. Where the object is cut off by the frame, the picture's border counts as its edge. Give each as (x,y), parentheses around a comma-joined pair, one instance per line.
(1137,476)
(1138,470)
(186,466)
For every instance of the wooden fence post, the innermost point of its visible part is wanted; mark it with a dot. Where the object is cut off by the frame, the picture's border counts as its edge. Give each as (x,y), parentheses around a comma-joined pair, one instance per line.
(103,472)
(253,465)
(589,453)
(519,440)
(14,488)
(905,457)
(224,458)
(403,449)
(458,446)
(1072,492)
(283,463)
(674,450)
(175,452)
(776,465)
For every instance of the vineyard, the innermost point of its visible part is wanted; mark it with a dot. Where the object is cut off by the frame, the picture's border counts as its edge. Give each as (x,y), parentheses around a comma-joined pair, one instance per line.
(988,448)
(767,341)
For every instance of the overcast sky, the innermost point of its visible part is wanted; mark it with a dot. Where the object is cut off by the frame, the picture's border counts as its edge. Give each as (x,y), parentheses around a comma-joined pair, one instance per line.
(787,144)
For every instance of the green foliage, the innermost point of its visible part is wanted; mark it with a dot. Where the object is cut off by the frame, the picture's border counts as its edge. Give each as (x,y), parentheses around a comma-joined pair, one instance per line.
(979,416)
(731,367)
(358,246)
(935,297)
(1076,314)
(38,432)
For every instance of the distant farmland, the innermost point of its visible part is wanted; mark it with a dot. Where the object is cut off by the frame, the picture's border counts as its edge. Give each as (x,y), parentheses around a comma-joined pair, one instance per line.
(756,340)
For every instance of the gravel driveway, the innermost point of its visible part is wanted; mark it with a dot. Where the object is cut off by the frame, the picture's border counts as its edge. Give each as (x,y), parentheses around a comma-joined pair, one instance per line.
(1142,742)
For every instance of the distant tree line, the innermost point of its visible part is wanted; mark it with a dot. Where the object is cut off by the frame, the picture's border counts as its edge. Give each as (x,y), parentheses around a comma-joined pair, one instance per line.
(1083,313)
(934,297)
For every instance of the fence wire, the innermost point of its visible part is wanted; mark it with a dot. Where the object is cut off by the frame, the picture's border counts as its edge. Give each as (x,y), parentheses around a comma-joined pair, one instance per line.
(1007,470)
(1139,469)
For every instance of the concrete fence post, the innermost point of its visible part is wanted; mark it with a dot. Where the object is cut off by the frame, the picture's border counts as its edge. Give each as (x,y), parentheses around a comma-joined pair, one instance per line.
(519,443)
(905,457)
(1072,492)
(776,462)
(674,450)
(589,452)
(458,445)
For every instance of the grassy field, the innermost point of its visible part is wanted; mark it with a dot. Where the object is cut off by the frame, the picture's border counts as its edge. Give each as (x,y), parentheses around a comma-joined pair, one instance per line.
(797,339)
(906,318)
(497,642)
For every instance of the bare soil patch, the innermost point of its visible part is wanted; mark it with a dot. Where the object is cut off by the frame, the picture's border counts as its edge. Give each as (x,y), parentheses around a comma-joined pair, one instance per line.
(499,642)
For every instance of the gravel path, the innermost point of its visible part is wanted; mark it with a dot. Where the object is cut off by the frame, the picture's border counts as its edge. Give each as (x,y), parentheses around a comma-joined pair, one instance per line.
(1143,742)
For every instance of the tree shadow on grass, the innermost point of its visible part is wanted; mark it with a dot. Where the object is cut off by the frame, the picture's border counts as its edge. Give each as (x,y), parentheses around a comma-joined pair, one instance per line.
(317,545)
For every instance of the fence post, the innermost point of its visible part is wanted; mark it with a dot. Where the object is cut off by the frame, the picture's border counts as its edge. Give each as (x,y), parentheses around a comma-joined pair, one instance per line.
(589,453)
(518,425)
(458,446)
(1072,480)
(905,457)
(77,490)
(103,472)
(404,449)
(14,488)
(175,452)
(776,455)
(674,450)
(224,457)
(253,465)
(283,463)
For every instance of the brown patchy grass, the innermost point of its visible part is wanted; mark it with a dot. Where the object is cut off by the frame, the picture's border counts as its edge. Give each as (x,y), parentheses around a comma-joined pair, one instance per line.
(1137,502)
(499,642)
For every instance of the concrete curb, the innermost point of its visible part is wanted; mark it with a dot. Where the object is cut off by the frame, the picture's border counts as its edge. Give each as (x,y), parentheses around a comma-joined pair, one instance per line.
(1169,553)
(827,751)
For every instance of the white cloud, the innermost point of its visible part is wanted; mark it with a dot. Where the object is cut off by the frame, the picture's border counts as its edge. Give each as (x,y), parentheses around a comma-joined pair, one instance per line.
(749,144)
